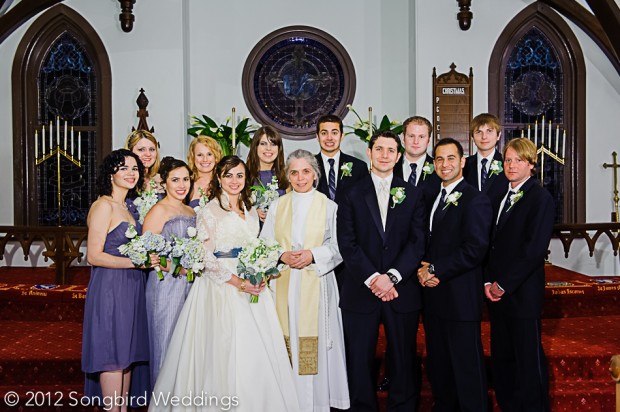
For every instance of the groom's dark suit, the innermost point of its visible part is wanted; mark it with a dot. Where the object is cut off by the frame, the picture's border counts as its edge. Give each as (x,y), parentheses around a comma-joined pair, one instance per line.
(453,309)
(366,249)
(517,263)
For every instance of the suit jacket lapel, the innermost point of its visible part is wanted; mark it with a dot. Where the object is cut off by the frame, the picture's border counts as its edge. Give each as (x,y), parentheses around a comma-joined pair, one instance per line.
(503,219)
(491,177)
(323,179)
(373,205)
(442,217)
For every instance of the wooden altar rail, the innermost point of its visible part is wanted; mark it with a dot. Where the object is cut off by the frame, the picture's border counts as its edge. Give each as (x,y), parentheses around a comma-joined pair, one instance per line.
(566,233)
(62,244)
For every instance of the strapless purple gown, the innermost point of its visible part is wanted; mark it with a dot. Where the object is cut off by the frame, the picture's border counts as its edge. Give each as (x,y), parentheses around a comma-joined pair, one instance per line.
(115,334)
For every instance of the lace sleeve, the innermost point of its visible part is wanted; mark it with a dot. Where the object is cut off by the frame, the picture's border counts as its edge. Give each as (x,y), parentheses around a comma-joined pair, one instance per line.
(207,223)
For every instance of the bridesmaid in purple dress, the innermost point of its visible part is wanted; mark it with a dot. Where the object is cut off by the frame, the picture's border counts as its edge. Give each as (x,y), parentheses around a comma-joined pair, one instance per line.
(203,155)
(115,348)
(265,160)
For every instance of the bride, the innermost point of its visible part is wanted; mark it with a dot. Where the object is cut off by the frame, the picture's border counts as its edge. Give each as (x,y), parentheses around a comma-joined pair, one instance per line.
(225,352)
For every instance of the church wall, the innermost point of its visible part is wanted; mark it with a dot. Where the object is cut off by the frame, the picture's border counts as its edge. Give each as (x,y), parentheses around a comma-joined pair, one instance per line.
(189,56)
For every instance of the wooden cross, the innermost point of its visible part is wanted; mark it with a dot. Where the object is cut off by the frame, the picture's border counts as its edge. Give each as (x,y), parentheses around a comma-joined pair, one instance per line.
(615,165)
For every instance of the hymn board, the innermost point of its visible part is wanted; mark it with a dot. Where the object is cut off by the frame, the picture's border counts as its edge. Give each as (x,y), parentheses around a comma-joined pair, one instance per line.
(452,106)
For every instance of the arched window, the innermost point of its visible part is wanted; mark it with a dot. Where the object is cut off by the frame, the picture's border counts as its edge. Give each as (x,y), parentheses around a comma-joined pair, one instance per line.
(61,75)
(537,70)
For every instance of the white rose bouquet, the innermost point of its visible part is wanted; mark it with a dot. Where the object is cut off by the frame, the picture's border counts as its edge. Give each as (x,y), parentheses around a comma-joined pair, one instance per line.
(257,261)
(146,200)
(265,195)
(139,248)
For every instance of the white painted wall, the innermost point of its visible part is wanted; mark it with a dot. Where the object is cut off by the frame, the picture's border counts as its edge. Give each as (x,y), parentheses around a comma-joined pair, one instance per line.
(189,56)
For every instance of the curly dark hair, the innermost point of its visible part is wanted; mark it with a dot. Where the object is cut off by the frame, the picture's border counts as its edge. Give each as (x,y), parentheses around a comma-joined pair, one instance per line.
(215,187)
(167,165)
(110,165)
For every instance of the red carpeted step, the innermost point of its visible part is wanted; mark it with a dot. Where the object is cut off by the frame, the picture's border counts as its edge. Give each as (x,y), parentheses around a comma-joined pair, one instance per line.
(40,353)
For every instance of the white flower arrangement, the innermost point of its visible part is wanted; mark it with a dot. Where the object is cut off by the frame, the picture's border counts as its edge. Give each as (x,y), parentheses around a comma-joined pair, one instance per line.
(202,200)
(258,260)
(514,198)
(452,199)
(427,169)
(495,168)
(263,196)
(139,248)
(346,169)
(146,200)
(398,195)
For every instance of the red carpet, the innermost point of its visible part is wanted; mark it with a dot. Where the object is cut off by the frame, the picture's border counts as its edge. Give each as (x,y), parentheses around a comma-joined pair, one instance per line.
(40,339)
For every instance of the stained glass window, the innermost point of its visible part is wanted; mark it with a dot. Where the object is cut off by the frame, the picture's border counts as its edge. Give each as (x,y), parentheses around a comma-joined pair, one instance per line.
(534,90)
(67,91)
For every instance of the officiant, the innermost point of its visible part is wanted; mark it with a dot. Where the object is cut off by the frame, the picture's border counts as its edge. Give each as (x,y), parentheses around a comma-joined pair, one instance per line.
(306,291)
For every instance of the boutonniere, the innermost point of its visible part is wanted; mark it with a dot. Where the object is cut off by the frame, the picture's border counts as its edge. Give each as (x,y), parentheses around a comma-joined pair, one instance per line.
(496,167)
(398,196)
(427,169)
(453,199)
(346,169)
(514,198)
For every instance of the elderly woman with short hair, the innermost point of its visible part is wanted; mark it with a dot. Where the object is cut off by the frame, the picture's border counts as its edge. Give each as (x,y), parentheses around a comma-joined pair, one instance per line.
(304,222)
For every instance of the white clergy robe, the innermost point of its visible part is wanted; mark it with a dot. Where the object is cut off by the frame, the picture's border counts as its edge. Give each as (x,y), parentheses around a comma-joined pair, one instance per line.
(329,388)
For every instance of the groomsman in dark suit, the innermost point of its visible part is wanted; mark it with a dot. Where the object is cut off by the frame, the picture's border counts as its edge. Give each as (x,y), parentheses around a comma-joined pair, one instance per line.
(338,170)
(515,283)
(415,165)
(483,170)
(459,230)
(380,229)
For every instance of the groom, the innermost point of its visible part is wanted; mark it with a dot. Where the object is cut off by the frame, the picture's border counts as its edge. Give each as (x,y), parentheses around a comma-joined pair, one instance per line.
(380,230)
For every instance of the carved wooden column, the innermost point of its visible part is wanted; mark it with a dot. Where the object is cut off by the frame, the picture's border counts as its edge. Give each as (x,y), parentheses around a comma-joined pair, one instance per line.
(464,16)
(126,17)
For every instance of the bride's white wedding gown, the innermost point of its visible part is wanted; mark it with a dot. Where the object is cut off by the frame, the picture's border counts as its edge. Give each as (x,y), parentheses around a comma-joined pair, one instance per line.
(225,352)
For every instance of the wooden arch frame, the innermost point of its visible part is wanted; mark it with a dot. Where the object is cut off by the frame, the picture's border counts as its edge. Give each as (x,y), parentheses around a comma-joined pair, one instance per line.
(28,59)
(570,55)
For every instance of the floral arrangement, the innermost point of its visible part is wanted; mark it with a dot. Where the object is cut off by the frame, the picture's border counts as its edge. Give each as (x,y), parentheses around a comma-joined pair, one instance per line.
(222,133)
(258,260)
(361,127)
(514,198)
(263,195)
(496,167)
(189,253)
(453,199)
(347,169)
(139,248)
(427,169)
(398,195)
(146,200)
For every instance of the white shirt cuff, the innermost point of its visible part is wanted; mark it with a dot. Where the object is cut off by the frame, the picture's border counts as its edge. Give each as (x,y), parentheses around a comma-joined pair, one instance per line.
(370,278)
(397,274)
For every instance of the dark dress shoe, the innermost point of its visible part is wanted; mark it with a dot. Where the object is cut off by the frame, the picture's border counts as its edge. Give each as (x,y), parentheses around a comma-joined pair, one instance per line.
(384,385)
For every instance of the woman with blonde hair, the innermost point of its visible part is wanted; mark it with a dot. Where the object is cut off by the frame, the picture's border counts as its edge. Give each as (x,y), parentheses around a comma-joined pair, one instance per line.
(146,146)
(203,155)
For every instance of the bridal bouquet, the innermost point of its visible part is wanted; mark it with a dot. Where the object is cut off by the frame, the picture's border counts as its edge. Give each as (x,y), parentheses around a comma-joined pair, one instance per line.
(146,200)
(265,195)
(257,261)
(189,253)
(139,248)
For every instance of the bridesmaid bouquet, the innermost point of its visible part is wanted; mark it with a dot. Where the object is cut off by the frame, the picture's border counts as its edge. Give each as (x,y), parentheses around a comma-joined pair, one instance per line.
(258,260)
(189,253)
(139,248)
(146,200)
(265,195)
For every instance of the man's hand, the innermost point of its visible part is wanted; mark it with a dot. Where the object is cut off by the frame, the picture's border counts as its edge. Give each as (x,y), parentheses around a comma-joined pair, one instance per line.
(423,275)
(391,295)
(381,285)
(493,292)
(432,281)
